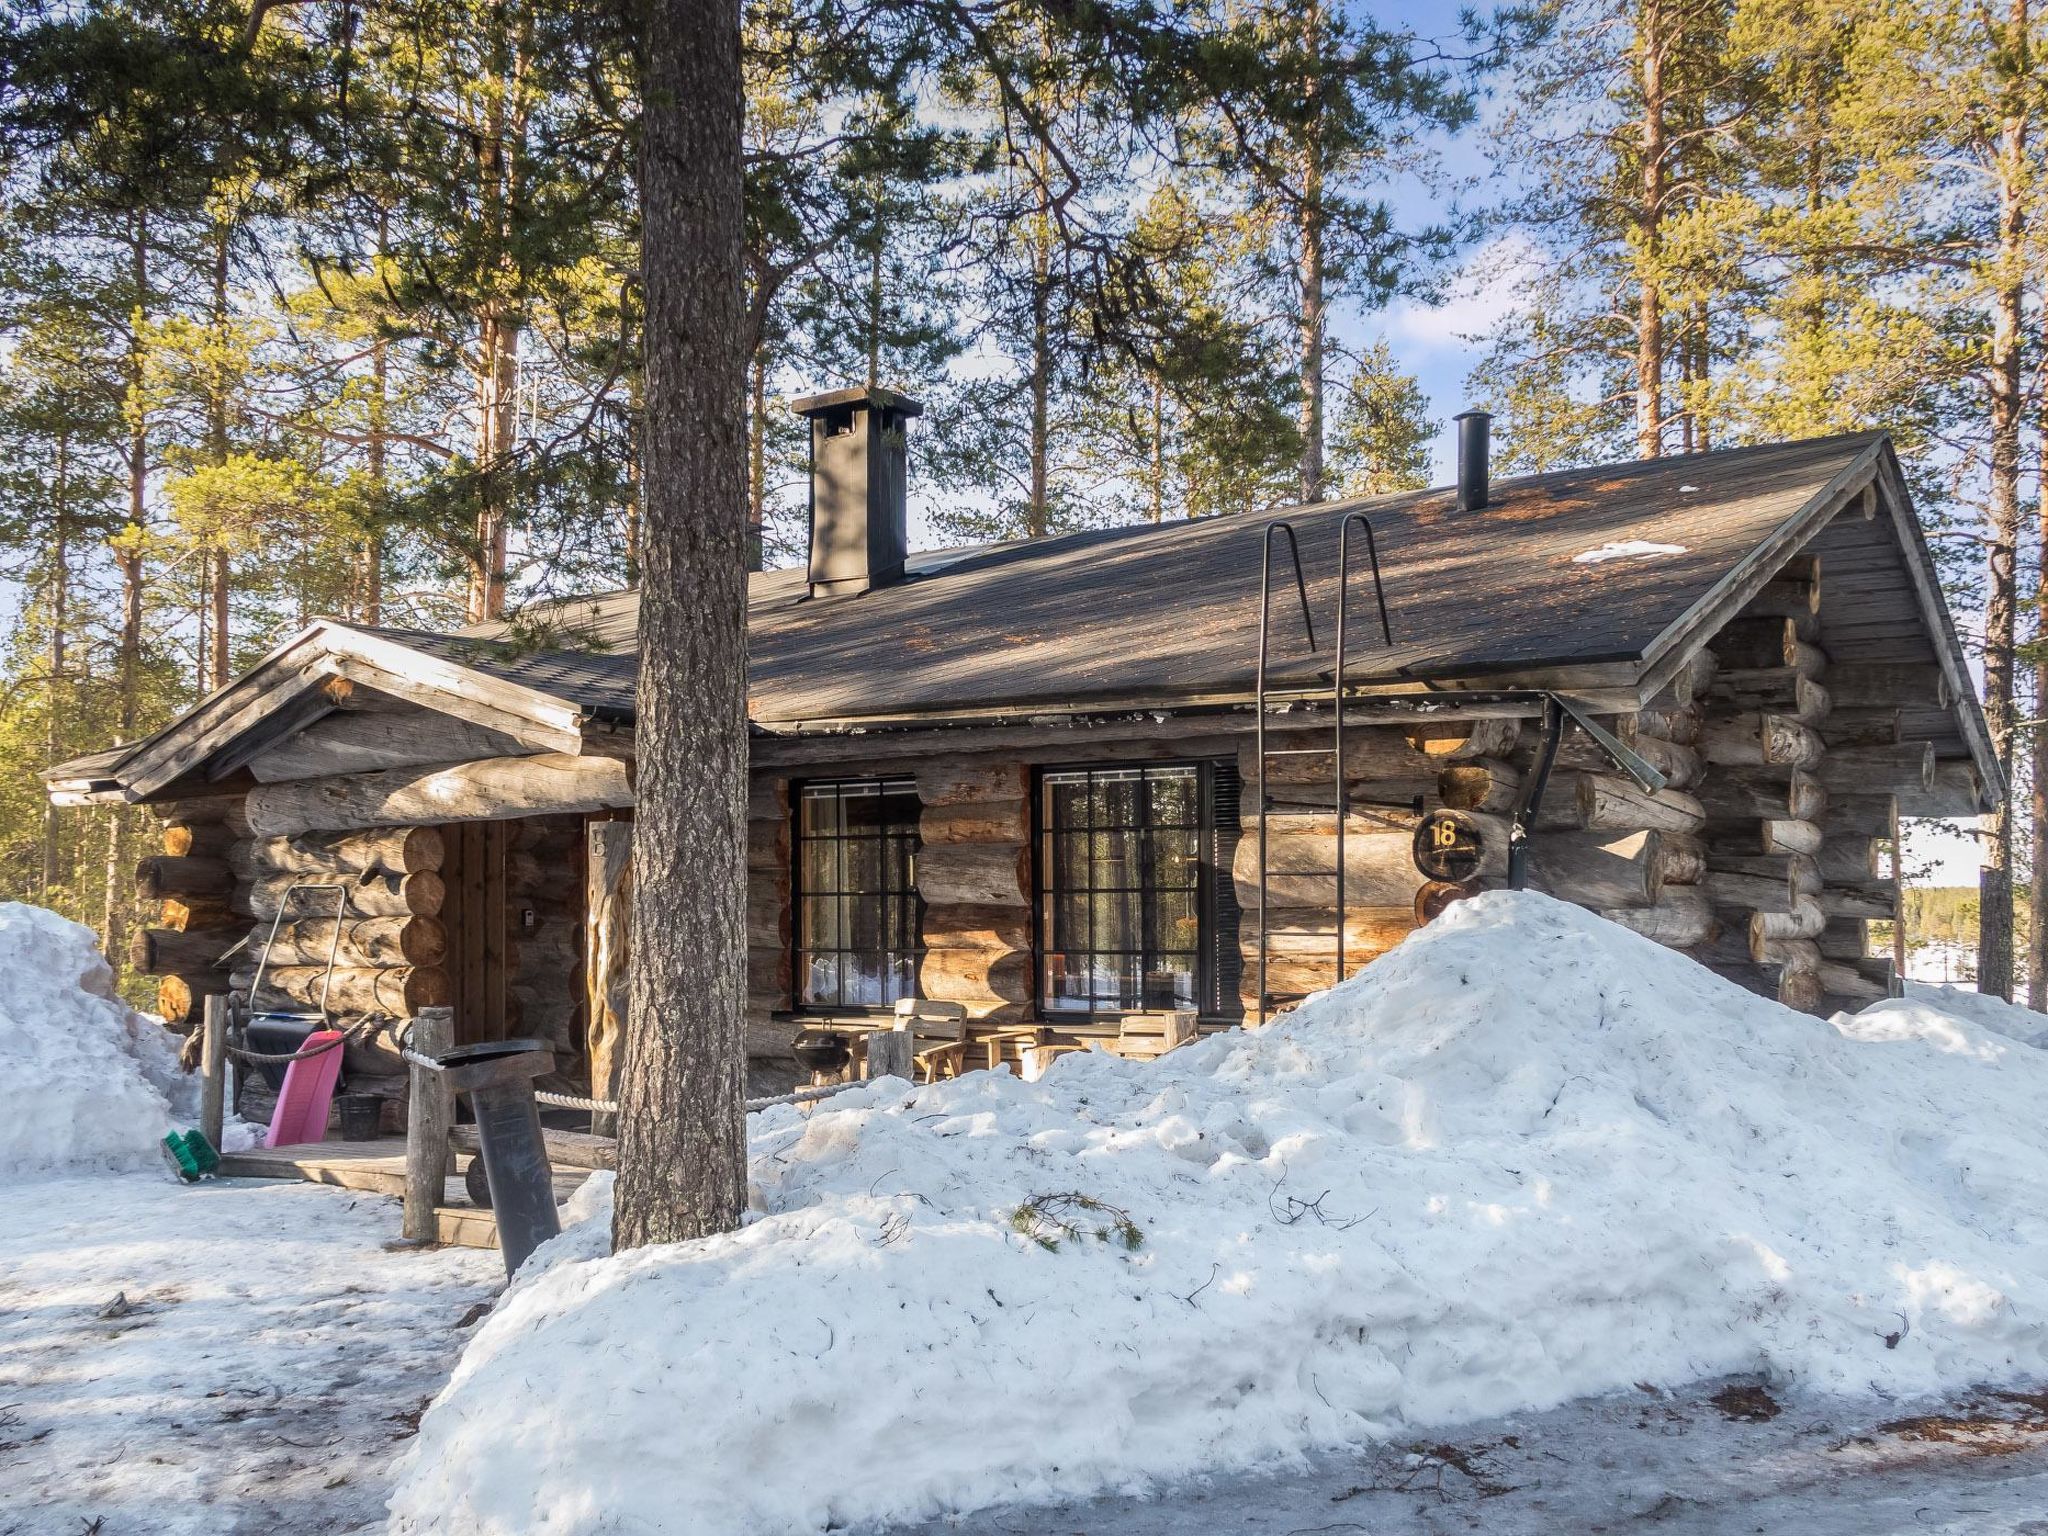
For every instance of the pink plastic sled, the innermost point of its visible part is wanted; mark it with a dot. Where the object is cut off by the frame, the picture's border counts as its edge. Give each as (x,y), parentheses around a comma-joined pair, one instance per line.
(301,1113)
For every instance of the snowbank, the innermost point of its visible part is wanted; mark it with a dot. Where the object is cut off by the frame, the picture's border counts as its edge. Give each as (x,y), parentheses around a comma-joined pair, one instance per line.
(87,1075)
(1987,1012)
(1525,1157)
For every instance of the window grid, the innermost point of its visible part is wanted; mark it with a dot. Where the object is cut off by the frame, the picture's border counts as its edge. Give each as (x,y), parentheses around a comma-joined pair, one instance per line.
(1123,854)
(858,917)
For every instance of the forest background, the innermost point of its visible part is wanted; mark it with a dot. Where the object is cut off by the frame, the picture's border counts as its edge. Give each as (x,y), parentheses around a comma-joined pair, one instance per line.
(360,337)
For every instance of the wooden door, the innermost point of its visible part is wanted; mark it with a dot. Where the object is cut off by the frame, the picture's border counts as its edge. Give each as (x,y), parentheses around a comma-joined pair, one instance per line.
(477,918)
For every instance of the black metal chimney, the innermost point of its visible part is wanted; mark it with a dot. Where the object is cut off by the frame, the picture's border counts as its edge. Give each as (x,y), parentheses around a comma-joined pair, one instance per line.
(860,467)
(1475,429)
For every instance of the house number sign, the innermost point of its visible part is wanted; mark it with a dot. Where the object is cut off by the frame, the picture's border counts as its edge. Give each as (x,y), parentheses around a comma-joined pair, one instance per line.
(1449,846)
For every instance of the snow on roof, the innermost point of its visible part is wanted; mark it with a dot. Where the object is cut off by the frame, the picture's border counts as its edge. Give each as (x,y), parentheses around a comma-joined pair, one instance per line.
(1526,1156)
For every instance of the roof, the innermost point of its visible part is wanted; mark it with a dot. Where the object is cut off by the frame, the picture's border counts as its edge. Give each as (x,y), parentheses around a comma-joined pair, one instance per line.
(1596,581)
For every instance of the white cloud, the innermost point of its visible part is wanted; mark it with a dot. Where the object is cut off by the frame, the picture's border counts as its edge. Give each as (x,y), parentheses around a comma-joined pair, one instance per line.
(1492,284)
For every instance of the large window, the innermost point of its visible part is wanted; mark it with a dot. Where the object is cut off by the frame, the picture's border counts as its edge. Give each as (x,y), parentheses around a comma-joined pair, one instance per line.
(856,894)
(1130,915)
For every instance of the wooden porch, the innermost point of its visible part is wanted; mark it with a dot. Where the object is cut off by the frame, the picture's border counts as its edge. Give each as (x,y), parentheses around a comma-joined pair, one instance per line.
(378,1168)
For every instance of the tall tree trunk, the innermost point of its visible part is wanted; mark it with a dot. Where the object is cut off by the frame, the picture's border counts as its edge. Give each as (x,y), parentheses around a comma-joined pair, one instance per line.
(2001,607)
(682,1123)
(1310,274)
(128,560)
(757,459)
(217,453)
(1038,514)
(1652,43)
(497,420)
(370,570)
(1158,449)
(57,701)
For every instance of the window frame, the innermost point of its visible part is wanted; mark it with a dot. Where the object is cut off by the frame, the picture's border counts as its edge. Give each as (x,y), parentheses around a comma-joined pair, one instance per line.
(1210,885)
(882,784)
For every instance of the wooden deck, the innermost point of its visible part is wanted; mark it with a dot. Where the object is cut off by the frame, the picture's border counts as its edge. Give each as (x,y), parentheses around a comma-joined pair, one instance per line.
(378,1167)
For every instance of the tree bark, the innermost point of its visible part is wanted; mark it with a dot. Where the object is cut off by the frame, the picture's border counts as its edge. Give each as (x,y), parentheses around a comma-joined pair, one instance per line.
(682,1122)
(1651,44)
(1995,881)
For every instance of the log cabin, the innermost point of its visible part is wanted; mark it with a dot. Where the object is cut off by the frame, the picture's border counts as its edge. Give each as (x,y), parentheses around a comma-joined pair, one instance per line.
(1192,769)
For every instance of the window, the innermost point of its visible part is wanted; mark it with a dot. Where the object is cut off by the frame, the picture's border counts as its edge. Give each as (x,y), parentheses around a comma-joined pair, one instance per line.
(857,919)
(1131,914)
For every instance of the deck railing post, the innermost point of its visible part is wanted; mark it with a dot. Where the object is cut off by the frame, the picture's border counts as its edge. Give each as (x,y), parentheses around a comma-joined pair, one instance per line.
(213,1066)
(430,1115)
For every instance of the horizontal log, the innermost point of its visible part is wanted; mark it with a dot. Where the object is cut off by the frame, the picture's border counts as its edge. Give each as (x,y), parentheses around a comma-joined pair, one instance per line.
(1762,793)
(490,789)
(1290,976)
(1680,724)
(1801,990)
(1854,860)
(220,805)
(1753,644)
(1741,891)
(1845,981)
(352,741)
(1798,955)
(1804,921)
(203,839)
(1785,690)
(162,875)
(387,850)
(1861,816)
(1752,839)
(1482,784)
(1888,684)
(360,942)
(1861,728)
(976,979)
(989,929)
(395,992)
(1899,769)
(1845,938)
(1756,739)
(975,874)
(188,914)
(1602,870)
(768,843)
(975,821)
(768,923)
(1457,740)
(1679,918)
(415,895)
(165,951)
(1610,802)
(949,781)
(1864,902)
(1785,597)
(1683,858)
(1301,860)
(1681,766)
(181,998)
(1312,931)
(1955,791)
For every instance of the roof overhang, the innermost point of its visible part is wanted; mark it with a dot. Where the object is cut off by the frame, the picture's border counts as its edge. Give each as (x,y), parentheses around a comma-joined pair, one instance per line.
(307,677)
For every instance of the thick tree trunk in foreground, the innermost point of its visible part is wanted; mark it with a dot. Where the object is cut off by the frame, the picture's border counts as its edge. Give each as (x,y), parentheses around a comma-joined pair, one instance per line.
(682,1125)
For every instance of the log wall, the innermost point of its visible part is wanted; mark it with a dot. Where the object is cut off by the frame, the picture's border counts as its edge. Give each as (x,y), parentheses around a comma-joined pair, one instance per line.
(974,874)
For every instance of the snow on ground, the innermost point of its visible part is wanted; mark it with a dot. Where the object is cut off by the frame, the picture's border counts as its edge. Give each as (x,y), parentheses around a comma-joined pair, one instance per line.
(220,1358)
(1525,1158)
(96,1079)
(1985,1011)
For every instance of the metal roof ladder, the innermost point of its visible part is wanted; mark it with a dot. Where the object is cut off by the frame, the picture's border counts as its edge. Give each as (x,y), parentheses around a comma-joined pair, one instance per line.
(1339,805)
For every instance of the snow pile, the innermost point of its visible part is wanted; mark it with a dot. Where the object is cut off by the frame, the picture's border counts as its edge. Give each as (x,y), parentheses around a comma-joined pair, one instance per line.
(1987,1012)
(87,1075)
(1527,1156)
